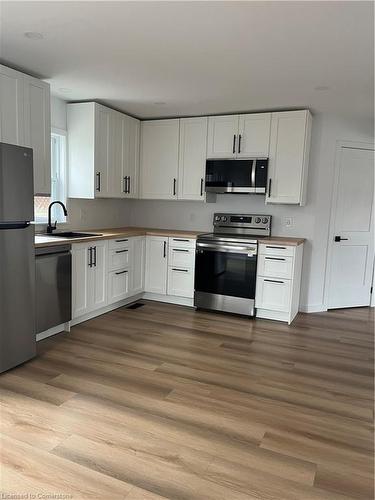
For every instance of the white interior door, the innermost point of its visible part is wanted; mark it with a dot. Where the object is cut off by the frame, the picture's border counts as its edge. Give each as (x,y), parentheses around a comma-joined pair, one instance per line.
(352,250)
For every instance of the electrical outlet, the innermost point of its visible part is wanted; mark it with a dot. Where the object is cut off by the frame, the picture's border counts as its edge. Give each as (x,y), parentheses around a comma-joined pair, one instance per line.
(82,214)
(288,222)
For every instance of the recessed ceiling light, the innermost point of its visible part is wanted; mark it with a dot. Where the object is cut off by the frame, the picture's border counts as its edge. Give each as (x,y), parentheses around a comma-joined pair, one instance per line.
(33,35)
(160,103)
(322,88)
(65,90)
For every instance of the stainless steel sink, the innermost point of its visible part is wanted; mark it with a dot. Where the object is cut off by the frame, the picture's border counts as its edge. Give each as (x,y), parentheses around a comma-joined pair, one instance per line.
(72,234)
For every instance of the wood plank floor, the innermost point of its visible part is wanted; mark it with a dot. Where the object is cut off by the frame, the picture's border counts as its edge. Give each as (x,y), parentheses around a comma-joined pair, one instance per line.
(165,402)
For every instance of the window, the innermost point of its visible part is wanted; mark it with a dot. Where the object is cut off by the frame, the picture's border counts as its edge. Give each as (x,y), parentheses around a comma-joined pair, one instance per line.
(58,181)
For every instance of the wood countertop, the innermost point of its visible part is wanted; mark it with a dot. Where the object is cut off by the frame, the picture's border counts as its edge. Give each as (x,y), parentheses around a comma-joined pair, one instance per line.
(45,240)
(281,240)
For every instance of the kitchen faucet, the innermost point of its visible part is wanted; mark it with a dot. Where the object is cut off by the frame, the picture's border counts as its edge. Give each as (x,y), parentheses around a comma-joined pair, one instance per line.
(50,227)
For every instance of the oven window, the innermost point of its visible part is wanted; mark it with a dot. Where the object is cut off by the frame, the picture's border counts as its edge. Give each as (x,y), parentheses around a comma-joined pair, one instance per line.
(225,273)
(228,173)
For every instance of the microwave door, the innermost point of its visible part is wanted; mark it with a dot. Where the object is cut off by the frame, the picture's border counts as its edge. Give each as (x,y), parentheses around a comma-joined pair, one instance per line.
(259,173)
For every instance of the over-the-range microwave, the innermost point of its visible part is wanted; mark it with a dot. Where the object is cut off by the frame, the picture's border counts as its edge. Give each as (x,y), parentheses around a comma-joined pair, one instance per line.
(236,176)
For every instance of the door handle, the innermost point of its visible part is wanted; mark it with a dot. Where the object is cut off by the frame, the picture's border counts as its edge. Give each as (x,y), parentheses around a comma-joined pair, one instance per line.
(128,184)
(174,187)
(124,185)
(165,249)
(121,272)
(120,251)
(338,238)
(239,143)
(94,249)
(180,270)
(269,187)
(98,181)
(201,187)
(90,256)
(234,144)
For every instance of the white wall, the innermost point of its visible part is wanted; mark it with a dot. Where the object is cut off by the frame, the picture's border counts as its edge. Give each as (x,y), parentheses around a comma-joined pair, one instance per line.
(310,222)
(89,214)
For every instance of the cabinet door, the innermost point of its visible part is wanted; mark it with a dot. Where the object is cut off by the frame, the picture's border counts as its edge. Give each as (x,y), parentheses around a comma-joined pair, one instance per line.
(118,285)
(273,294)
(222,136)
(11,106)
(192,158)
(138,265)
(156,264)
(98,274)
(130,172)
(288,158)
(254,135)
(180,282)
(38,131)
(159,159)
(115,148)
(81,292)
(102,151)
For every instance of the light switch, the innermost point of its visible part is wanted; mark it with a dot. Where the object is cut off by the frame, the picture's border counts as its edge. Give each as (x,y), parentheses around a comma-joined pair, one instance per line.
(288,221)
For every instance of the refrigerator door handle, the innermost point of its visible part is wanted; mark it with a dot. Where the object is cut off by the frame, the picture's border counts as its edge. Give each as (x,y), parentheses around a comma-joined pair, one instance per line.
(14,225)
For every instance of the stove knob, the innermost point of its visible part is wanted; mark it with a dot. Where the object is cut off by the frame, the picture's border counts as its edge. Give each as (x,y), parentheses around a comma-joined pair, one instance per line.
(217,217)
(257,220)
(265,220)
(224,219)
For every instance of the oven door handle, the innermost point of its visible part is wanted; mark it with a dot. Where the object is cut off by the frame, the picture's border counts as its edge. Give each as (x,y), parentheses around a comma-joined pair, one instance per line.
(250,251)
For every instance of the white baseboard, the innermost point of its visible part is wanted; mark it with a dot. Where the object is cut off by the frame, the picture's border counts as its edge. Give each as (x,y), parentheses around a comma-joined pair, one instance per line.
(64,327)
(170,299)
(108,308)
(312,308)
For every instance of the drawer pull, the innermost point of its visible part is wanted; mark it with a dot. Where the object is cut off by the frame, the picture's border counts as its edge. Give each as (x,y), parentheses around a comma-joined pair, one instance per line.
(119,241)
(179,239)
(121,272)
(180,270)
(277,248)
(121,251)
(275,281)
(274,258)
(180,250)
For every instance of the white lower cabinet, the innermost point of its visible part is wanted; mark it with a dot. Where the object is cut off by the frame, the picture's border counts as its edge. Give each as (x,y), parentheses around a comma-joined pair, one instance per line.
(118,285)
(89,277)
(180,282)
(138,265)
(278,281)
(156,264)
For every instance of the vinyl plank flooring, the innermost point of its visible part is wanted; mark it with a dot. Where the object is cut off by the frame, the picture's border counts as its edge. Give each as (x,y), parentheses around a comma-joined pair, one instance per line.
(164,402)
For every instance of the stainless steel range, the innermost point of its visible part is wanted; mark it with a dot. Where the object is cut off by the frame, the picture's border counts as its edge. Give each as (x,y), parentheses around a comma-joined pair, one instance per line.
(226,261)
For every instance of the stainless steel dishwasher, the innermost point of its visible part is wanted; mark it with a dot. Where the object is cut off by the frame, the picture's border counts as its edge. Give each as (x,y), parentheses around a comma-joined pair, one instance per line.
(53,286)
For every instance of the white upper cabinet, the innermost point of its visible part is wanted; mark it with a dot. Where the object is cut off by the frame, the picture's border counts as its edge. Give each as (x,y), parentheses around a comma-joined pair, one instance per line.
(289,156)
(25,121)
(222,136)
(103,151)
(159,159)
(130,157)
(11,106)
(192,158)
(239,136)
(254,135)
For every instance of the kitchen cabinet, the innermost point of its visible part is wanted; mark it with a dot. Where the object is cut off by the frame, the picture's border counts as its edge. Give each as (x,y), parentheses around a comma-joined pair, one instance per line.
(278,281)
(138,265)
(181,265)
(159,159)
(181,282)
(289,156)
(118,285)
(239,136)
(156,264)
(25,121)
(103,150)
(192,158)
(89,277)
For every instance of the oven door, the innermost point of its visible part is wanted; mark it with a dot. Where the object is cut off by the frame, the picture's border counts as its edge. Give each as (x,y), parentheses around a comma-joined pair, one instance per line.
(225,277)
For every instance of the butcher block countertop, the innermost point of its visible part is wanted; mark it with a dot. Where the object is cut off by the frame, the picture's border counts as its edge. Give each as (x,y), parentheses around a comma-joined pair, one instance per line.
(280,240)
(42,240)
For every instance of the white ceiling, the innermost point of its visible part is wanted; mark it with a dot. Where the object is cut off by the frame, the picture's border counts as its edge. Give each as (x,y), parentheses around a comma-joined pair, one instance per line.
(198,57)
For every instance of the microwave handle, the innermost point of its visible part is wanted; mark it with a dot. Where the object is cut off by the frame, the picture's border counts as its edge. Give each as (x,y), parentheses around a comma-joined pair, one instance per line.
(253,173)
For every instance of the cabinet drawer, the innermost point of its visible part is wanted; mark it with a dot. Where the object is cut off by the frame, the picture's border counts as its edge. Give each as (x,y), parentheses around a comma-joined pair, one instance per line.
(180,282)
(273,294)
(181,257)
(119,243)
(118,285)
(273,249)
(276,267)
(177,242)
(118,258)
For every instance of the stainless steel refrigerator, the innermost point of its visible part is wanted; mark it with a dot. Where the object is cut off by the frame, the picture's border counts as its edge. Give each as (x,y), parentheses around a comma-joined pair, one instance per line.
(17,259)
